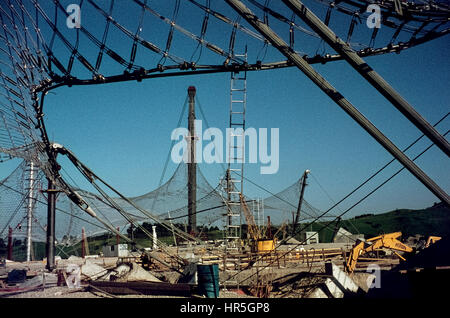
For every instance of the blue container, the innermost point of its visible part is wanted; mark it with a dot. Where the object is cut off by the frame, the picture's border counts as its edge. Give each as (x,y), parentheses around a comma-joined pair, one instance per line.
(208,280)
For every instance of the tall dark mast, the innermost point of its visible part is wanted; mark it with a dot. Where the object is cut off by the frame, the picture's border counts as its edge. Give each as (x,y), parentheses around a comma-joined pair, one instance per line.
(192,166)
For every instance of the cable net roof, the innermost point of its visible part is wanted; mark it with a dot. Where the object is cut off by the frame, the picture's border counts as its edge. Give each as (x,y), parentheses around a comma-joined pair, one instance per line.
(46,44)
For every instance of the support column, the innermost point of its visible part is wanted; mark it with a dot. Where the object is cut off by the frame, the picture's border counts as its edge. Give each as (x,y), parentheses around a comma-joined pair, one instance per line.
(50,247)
(192,165)
(10,244)
(340,100)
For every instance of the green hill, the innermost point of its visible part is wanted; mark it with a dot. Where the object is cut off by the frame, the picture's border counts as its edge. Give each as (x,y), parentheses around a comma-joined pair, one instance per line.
(434,220)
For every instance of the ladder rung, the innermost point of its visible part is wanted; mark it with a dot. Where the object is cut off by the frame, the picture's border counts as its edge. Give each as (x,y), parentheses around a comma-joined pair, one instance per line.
(237,124)
(237,101)
(238,89)
(238,113)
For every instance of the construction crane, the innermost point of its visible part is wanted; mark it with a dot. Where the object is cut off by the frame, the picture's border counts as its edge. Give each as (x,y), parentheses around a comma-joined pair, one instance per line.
(389,241)
(253,230)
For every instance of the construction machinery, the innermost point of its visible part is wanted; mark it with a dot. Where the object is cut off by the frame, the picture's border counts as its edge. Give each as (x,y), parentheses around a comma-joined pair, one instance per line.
(389,241)
(260,241)
(432,240)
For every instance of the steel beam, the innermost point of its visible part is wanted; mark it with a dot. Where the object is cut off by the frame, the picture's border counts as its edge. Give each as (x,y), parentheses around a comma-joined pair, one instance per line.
(340,100)
(368,73)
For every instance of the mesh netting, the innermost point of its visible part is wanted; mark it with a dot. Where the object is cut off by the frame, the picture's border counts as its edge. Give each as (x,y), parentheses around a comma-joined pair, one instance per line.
(169,202)
(15,196)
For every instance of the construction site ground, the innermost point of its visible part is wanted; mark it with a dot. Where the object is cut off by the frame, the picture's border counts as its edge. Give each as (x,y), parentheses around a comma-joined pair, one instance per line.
(291,272)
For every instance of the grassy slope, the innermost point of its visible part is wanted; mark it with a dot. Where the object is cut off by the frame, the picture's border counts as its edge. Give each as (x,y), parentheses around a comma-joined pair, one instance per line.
(430,221)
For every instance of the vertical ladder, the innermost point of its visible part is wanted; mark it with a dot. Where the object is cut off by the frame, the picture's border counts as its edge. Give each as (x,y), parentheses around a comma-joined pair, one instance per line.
(233,181)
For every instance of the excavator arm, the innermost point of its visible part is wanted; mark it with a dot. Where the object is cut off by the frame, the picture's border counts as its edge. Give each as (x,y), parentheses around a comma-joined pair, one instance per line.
(383,241)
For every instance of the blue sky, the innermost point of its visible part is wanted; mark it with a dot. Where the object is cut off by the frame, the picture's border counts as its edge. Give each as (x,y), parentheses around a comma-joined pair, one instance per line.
(122,131)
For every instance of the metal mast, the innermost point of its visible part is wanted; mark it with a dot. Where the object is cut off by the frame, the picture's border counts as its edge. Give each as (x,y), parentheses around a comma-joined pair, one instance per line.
(29,208)
(236,154)
(300,201)
(192,165)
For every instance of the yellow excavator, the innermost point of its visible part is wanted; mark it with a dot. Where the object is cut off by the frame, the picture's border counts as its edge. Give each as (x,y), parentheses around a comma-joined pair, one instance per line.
(389,241)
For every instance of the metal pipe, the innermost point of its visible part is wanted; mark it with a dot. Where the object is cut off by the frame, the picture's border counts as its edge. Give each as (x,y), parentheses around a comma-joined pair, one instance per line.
(368,73)
(192,165)
(340,100)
